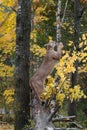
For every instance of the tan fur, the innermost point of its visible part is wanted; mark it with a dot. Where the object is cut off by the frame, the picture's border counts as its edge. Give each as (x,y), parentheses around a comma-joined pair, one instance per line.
(37,80)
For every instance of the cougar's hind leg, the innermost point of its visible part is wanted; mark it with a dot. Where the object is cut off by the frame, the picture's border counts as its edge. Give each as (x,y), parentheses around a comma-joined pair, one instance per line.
(35,89)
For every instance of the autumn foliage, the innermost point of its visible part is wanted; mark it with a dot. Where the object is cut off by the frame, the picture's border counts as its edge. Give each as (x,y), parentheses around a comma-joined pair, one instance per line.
(43,29)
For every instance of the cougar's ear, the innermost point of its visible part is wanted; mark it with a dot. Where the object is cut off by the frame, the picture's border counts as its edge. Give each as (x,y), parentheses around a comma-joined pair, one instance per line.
(46,45)
(50,44)
(53,43)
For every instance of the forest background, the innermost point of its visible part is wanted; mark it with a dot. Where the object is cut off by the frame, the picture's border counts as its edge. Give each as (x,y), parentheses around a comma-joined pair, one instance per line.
(43,29)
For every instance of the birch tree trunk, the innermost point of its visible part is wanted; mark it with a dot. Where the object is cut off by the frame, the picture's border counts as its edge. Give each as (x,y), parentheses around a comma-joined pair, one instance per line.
(23,28)
(41,118)
(58,35)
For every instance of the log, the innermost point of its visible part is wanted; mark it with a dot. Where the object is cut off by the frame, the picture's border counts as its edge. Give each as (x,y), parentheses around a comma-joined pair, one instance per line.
(58,129)
(64,129)
(2,122)
(66,119)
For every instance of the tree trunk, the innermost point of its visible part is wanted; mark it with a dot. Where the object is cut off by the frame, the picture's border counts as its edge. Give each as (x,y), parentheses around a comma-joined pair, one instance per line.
(72,106)
(58,30)
(41,118)
(41,115)
(22,90)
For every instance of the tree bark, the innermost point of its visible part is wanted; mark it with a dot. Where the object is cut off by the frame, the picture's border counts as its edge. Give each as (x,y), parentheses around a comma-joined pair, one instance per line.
(72,106)
(61,129)
(22,90)
(41,118)
(58,31)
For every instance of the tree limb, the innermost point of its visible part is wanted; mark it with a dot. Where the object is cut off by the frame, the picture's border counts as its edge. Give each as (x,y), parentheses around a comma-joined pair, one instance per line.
(82,10)
(77,125)
(52,114)
(14,9)
(64,11)
(58,129)
(1,23)
(66,119)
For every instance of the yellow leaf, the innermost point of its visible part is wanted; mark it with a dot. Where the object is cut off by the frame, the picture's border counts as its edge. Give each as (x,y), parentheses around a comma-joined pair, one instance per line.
(83,37)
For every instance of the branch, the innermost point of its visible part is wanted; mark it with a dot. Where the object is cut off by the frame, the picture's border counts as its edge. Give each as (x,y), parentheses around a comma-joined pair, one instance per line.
(46,103)
(82,10)
(64,11)
(56,129)
(1,24)
(65,129)
(52,114)
(14,9)
(77,125)
(2,122)
(66,119)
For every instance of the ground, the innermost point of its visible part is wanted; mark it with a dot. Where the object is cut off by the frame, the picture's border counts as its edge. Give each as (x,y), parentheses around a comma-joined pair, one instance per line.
(6,127)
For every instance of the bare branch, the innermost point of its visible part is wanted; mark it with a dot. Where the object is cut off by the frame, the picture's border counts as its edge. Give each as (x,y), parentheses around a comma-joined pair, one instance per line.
(82,10)
(65,129)
(14,9)
(1,24)
(66,118)
(77,125)
(52,114)
(46,103)
(64,11)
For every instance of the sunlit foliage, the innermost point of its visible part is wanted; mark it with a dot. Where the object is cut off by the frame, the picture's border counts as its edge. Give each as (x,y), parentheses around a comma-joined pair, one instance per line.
(7,45)
(43,27)
(63,70)
(9,95)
